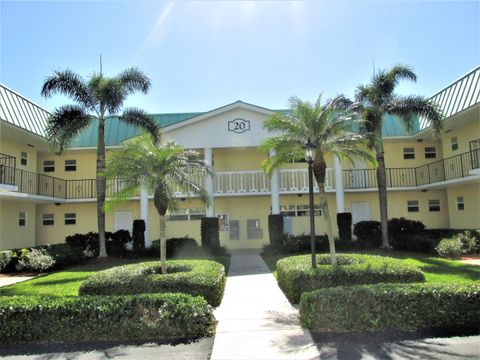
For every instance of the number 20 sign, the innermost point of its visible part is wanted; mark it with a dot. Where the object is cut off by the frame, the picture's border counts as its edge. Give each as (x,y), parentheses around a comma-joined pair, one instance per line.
(239,125)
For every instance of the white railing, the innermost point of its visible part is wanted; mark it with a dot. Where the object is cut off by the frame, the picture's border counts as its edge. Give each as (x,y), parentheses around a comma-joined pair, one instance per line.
(241,183)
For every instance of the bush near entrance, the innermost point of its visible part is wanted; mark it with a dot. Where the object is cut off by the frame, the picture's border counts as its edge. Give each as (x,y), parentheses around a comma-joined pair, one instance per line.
(29,319)
(400,307)
(195,277)
(295,274)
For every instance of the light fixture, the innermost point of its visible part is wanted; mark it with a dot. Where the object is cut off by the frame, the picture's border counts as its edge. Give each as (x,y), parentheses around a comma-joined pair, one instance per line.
(309,151)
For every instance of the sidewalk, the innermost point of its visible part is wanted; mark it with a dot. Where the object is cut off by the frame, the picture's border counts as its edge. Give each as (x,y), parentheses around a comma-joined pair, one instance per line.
(256,321)
(9,280)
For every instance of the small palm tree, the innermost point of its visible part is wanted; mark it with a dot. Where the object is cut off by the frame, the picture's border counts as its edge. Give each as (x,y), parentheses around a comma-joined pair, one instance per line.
(140,161)
(327,126)
(97,100)
(378,99)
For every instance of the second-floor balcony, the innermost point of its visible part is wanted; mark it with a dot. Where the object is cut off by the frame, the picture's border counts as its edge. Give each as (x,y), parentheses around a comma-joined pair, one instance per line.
(255,182)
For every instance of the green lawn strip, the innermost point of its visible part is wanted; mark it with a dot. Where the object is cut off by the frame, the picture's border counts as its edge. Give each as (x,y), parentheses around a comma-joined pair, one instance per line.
(436,269)
(67,282)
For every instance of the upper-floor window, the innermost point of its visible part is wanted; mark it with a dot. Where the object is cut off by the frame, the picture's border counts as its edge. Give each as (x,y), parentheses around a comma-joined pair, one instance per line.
(49,166)
(22,218)
(412,206)
(48,219)
(460,203)
(70,218)
(23,158)
(408,153)
(430,152)
(70,165)
(433,205)
(454,143)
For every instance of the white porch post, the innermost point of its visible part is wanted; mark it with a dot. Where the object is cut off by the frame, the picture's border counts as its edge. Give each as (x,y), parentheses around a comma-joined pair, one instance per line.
(208,157)
(144,212)
(275,189)
(339,191)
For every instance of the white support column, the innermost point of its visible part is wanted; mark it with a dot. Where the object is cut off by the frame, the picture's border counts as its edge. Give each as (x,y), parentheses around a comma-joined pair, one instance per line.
(339,191)
(275,189)
(208,157)
(144,212)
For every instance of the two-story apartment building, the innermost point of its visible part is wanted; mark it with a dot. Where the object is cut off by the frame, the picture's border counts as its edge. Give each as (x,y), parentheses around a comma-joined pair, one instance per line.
(45,197)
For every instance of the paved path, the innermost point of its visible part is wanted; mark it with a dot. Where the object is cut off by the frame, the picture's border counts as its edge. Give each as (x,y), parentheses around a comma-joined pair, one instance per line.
(256,321)
(9,280)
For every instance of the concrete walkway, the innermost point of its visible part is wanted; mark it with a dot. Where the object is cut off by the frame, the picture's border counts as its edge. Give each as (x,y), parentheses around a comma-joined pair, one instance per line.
(9,280)
(256,321)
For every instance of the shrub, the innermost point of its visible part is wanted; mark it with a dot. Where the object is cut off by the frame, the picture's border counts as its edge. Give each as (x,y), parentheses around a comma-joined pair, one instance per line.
(295,274)
(29,319)
(463,243)
(138,235)
(368,234)
(5,259)
(297,244)
(402,307)
(344,223)
(115,244)
(195,277)
(181,246)
(87,242)
(64,254)
(275,229)
(402,231)
(35,260)
(209,228)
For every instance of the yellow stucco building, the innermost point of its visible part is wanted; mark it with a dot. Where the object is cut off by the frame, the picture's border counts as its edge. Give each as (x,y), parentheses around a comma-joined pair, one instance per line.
(45,197)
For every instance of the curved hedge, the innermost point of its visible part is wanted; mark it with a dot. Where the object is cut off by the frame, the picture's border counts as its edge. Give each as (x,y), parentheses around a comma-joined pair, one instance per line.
(27,319)
(194,277)
(383,307)
(295,274)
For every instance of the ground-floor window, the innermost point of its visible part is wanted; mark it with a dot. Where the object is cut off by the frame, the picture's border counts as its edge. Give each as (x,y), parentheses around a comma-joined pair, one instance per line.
(299,210)
(70,218)
(460,203)
(254,230)
(433,205)
(413,206)
(22,218)
(187,214)
(48,219)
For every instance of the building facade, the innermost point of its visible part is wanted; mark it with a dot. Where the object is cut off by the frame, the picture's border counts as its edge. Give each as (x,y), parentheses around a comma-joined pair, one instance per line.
(45,197)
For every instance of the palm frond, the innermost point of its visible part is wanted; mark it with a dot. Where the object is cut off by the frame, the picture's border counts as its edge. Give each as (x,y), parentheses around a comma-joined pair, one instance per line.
(71,84)
(141,119)
(134,80)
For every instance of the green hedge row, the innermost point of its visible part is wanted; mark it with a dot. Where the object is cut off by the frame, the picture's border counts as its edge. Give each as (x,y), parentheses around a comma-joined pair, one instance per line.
(194,277)
(36,319)
(384,307)
(295,274)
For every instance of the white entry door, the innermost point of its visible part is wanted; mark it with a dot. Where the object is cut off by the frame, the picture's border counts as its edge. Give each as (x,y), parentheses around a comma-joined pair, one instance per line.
(360,212)
(123,220)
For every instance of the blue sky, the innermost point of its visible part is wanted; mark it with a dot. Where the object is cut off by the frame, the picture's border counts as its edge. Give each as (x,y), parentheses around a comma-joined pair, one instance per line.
(204,54)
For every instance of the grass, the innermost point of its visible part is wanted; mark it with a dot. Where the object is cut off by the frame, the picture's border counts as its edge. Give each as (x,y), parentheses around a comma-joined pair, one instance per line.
(67,282)
(436,270)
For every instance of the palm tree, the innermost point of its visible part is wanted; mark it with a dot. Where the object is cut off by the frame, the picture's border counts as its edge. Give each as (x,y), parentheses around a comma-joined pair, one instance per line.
(140,161)
(378,99)
(327,126)
(96,101)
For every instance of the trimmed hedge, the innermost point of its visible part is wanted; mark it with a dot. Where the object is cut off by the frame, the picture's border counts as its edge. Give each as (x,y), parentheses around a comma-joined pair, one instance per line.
(275,229)
(295,274)
(210,232)
(33,319)
(384,307)
(194,277)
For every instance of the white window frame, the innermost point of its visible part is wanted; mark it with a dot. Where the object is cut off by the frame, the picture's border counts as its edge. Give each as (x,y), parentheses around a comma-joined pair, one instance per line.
(22,215)
(70,165)
(434,205)
(48,219)
(413,206)
(430,152)
(409,153)
(460,203)
(23,158)
(70,218)
(299,210)
(454,143)
(48,165)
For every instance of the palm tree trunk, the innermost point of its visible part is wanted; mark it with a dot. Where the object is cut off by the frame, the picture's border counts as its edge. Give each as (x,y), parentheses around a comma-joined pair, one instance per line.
(163,245)
(382,192)
(101,187)
(319,170)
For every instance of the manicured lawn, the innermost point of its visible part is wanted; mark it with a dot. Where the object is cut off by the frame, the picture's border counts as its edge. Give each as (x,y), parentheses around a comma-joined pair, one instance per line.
(435,269)
(67,282)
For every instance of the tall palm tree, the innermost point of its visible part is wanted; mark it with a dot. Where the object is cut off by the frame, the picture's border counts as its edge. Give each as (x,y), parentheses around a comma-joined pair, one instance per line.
(140,161)
(328,127)
(96,101)
(378,99)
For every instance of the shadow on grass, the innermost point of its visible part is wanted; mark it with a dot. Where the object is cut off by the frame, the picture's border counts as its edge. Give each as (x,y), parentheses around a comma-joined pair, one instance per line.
(447,267)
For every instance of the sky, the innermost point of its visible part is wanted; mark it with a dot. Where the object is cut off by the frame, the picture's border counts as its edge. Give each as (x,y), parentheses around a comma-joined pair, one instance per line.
(201,55)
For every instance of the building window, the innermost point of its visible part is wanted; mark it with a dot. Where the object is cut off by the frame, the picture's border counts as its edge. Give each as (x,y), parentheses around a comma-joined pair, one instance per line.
(408,153)
(299,210)
(460,203)
(254,231)
(70,218)
(22,218)
(48,219)
(433,205)
(454,143)
(23,158)
(70,165)
(412,206)
(196,213)
(178,215)
(430,152)
(49,166)
(288,210)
